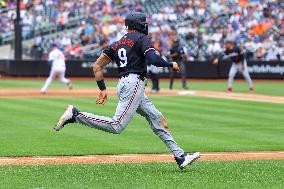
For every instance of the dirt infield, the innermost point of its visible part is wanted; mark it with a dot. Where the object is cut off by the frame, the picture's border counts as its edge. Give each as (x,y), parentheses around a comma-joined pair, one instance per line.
(136,158)
(58,92)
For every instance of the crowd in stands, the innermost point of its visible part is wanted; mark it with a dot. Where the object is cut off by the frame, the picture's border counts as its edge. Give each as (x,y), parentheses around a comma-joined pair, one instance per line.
(38,15)
(202,25)
(256,25)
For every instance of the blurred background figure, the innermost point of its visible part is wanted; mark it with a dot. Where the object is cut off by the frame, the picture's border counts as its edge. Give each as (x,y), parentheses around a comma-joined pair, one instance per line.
(178,53)
(239,64)
(56,60)
(154,71)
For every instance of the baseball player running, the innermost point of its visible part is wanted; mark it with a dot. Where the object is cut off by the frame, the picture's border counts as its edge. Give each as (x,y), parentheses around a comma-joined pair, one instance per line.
(239,64)
(130,54)
(57,61)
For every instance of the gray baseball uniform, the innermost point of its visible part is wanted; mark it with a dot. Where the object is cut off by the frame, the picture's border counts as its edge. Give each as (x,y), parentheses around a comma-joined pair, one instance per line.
(242,68)
(132,99)
(129,54)
(239,64)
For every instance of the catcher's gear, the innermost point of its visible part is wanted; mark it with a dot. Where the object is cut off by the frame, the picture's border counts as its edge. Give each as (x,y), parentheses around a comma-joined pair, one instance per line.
(137,21)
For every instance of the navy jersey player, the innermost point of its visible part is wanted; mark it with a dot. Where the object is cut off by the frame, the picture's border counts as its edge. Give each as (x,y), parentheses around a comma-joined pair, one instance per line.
(239,64)
(130,54)
(178,54)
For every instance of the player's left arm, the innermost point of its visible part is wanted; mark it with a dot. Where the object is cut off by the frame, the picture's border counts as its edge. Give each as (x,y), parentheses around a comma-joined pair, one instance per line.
(152,57)
(50,59)
(219,57)
(101,62)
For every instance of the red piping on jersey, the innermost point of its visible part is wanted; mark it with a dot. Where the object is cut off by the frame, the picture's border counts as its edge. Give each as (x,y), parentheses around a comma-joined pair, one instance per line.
(123,114)
(107,56)
(149,50)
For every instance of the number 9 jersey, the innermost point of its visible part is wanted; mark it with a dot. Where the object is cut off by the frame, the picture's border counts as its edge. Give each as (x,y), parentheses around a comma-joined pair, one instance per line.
(129,53)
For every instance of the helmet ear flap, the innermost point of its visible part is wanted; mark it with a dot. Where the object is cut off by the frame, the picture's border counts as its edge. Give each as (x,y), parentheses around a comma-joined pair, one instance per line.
(137,21)
(145,31)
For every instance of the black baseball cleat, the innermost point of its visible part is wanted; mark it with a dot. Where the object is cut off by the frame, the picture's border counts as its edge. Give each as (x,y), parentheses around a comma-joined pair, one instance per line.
(184,160)
(69,116)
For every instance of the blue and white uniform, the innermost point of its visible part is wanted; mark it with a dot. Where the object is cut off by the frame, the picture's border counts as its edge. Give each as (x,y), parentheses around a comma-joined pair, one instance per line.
(57,60)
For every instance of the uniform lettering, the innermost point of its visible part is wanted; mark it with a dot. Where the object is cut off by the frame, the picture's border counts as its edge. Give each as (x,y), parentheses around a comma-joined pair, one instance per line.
(127,42)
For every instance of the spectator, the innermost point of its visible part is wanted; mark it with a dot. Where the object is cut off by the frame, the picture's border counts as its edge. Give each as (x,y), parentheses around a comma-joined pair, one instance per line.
(214,48)
(260,53)
(65,41)
(273,54)
(201,24)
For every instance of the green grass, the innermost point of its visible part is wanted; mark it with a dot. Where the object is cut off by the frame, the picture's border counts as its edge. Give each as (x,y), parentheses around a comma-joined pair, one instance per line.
(197,124)
(39,83)
(234,174)
(266,88)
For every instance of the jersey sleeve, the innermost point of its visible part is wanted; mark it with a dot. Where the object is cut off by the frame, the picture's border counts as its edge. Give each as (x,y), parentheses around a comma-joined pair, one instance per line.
(51,57)
(238,50)
(146,45)
(181,50)
(109,52)
(241,54)
(172,51)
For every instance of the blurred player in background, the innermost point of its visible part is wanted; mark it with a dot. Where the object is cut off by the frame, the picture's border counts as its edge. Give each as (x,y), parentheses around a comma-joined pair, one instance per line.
(237,56)
(178,53)
(154,71)
(56,59)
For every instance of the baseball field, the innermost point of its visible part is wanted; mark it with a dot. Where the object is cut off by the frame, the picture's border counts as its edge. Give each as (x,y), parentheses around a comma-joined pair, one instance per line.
(240,136)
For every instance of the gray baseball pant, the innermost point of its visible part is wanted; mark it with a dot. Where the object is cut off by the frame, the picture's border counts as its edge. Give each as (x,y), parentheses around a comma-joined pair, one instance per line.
(241,68)
(132,99)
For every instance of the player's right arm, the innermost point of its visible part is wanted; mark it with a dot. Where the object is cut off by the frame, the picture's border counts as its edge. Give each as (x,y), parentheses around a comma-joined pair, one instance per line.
(101,62)
(50,58)
(219,58)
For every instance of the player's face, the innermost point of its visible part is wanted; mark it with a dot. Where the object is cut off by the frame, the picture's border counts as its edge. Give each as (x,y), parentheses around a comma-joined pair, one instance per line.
(175,43)
(229,46)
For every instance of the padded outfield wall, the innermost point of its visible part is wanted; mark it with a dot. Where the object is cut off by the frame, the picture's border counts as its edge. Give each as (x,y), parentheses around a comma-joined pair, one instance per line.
(195,69)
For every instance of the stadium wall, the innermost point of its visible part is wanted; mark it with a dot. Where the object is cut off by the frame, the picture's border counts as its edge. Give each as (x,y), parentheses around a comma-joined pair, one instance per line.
(195,69)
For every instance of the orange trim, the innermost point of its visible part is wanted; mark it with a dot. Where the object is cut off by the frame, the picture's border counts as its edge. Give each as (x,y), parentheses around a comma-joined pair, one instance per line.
(107,56)
(149,50)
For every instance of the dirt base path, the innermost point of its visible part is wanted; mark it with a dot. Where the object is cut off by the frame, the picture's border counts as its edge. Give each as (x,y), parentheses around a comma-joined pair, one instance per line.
(136,158)
(59,92)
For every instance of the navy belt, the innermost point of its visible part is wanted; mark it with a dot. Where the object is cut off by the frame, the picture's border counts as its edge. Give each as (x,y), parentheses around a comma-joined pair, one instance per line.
(141,76)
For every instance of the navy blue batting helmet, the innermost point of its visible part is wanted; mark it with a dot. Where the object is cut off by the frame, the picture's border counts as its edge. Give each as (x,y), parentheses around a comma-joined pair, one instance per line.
(137,21)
